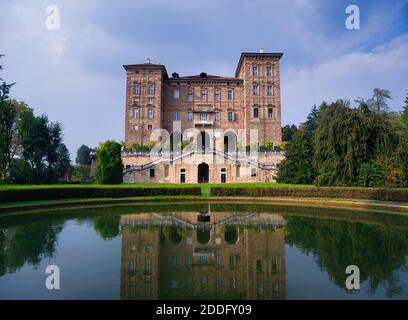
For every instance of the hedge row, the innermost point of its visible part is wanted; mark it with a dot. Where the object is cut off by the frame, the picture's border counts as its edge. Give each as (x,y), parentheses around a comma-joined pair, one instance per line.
(11,195)
(382,194)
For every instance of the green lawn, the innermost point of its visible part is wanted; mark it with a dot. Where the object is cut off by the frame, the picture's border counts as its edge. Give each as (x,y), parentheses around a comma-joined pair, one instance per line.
(204,186)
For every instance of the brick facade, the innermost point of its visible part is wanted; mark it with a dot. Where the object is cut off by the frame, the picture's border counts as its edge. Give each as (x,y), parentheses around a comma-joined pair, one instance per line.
(216,116)
(208,95)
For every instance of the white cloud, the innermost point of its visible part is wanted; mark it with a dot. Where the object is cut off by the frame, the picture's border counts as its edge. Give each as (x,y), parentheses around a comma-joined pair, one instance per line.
(348,76)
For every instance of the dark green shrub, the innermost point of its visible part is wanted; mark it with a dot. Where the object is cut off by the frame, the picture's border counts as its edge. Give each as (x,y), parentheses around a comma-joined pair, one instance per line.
(109,166)
(383,194)
(12,195)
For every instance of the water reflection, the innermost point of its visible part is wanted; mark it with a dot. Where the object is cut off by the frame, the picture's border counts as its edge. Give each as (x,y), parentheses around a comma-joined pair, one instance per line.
(190,255)
(209,251)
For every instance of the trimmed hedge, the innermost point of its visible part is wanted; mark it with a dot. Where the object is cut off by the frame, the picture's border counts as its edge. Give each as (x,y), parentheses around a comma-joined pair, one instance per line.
(383,194)
(12,195)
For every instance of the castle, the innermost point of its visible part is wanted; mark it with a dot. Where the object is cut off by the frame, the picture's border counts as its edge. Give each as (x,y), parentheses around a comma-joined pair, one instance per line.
(203,255)
(205,128)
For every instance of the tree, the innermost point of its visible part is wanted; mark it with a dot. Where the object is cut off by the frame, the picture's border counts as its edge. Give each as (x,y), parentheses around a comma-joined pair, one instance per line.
(346,138)
(63,163)
(404,114)
(83,155)
(7,120)
(288,131)
(109,166)
(40,141)
(107,226)
(369,175)
(297,167)
(378,101)
(313,118)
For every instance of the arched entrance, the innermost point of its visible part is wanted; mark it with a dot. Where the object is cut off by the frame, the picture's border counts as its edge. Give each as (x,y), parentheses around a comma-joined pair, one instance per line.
(203,173)
(230,142)
(175,141)
(203,235)
(203,141)
(231,234)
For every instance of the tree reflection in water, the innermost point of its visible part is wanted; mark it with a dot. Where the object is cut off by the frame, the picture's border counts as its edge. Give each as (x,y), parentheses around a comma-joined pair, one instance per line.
(377,250)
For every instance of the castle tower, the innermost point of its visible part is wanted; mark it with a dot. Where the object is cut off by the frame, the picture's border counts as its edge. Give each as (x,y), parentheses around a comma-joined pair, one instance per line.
(262,100)
(144,88)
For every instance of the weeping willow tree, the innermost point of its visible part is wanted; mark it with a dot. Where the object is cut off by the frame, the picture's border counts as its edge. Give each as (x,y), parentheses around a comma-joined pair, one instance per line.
(347,140)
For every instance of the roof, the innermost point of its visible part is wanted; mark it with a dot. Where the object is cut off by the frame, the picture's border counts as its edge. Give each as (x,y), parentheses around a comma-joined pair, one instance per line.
(256,54)
(146,65)
(204,76)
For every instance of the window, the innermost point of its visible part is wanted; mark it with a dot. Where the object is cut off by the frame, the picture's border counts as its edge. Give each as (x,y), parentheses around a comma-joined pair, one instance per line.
(216,96)
(189,260)
(255,71)
(174,260)
(203,260)
(230,94)
(132,291)
(230,116)
(136,112)
(147,265)
(258,265)
(147,289)
(217,116)
(256,112)
(233,283)
(136,88)
(135,127)
(255,90)
(190,116)
(270,112)
(269,71)
(176,115)
(150,100)
(274,265)
(182,175)
(149,127)
(151,173)
(132,265)
(203,116)
(150,88)
(253,172)
(148,248)
(150,113)
(190,96)
(233,260)
(203,97)
(275,290)
(218,260)
(176,94)
(270,90)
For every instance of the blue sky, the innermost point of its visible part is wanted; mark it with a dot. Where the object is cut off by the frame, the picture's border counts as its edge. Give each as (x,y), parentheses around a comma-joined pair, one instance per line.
(75,74)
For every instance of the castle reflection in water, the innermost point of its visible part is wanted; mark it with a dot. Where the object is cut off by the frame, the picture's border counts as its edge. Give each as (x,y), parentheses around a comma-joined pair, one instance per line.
(193,255)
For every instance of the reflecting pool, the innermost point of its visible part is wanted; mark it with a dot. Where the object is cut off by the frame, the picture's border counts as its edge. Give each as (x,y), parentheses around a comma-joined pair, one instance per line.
(203,251)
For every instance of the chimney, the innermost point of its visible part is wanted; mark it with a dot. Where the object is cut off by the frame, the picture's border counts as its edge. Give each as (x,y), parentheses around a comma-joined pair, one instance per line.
(261,50)
(148,60)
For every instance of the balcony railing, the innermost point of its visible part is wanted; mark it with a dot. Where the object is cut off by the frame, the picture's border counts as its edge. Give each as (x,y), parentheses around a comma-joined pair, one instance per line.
(204,122)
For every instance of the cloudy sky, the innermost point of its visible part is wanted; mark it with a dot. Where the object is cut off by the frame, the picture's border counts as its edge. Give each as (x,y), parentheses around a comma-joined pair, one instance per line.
(75,74)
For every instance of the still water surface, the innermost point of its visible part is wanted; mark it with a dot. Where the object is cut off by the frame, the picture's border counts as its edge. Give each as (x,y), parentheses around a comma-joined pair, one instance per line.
(205,251)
